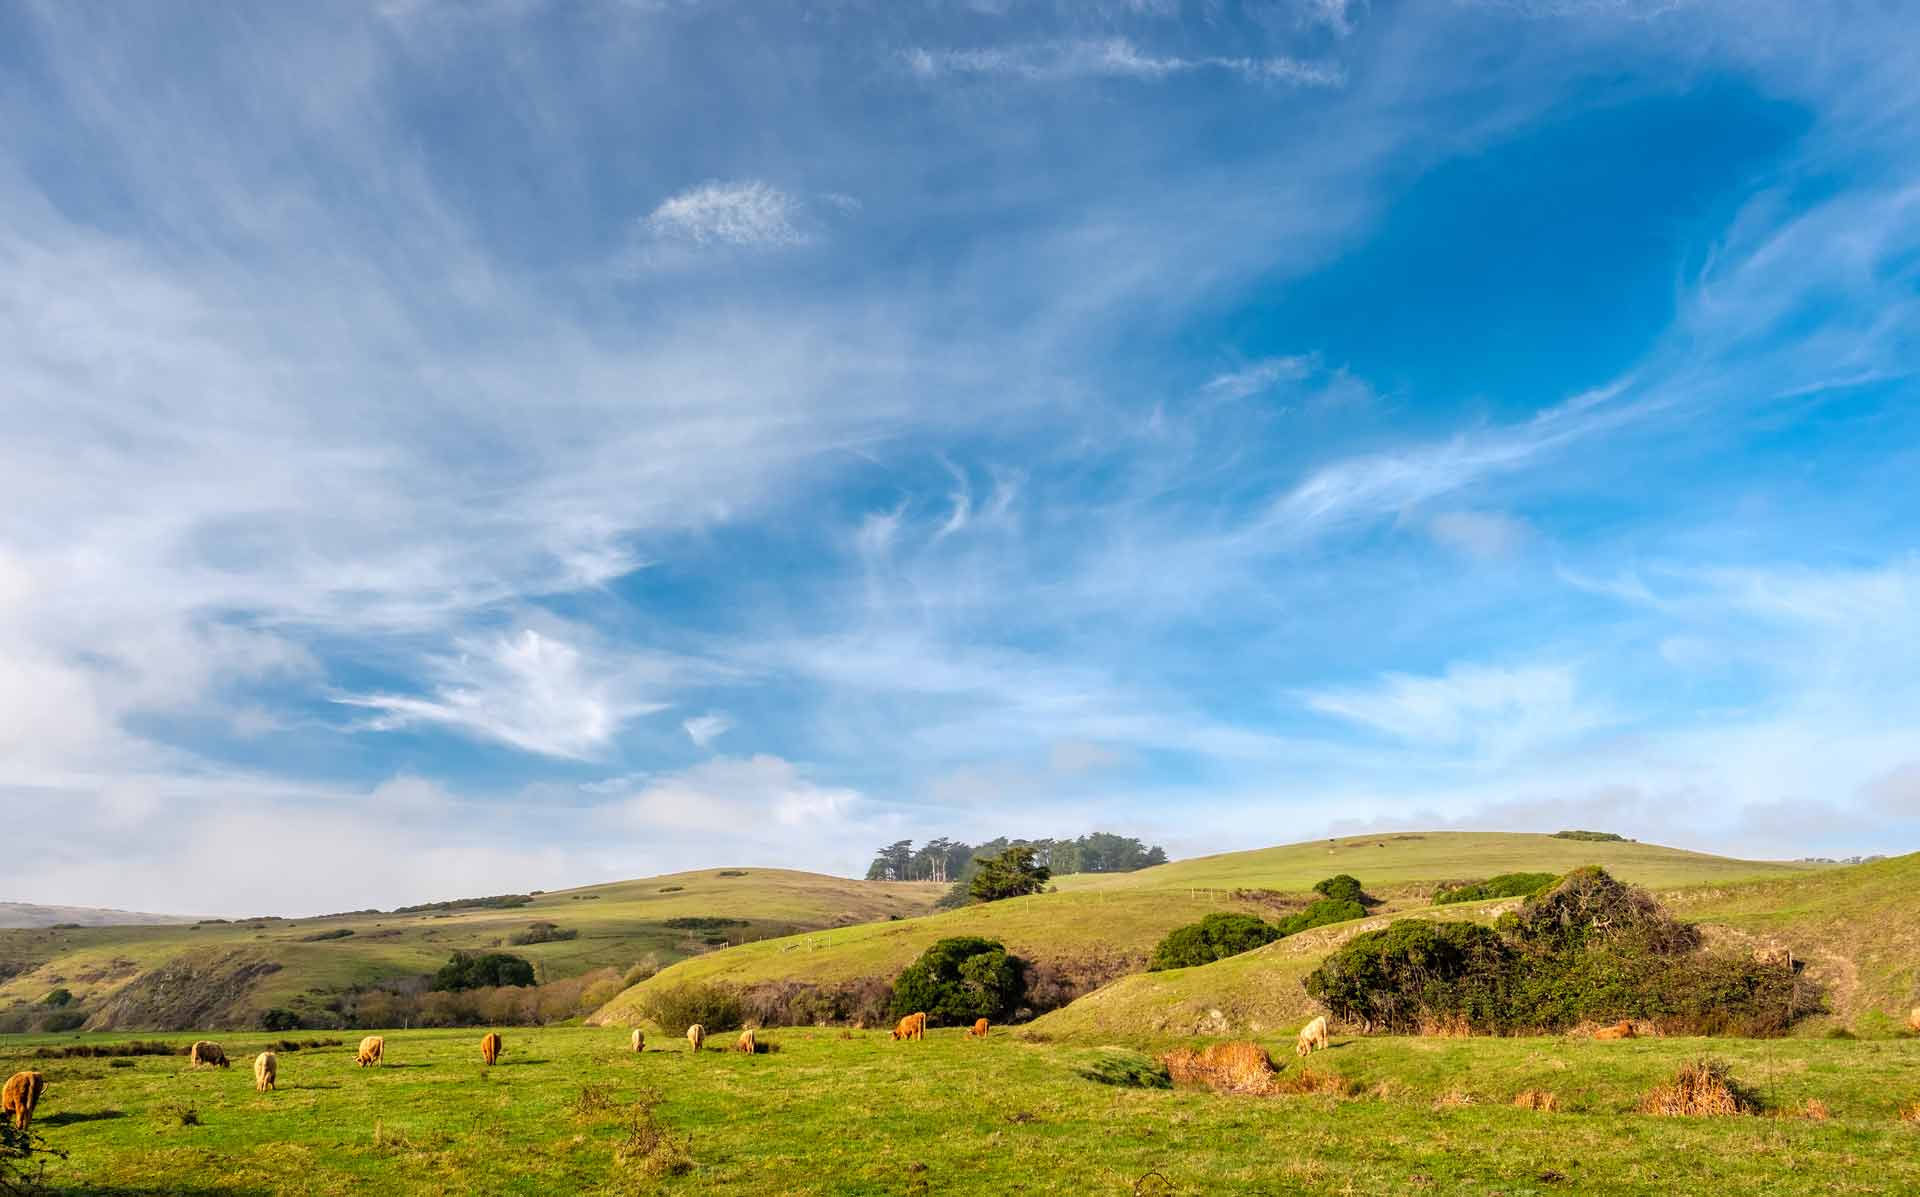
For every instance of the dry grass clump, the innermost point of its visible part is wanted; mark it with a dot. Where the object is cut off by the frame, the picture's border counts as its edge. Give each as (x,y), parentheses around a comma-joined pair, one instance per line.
(1537,1099)
(1910,1112)
(1445,1026)
(1453,1099)
(1701,1088)
(1241,1066)
(1815,1110)
(1639,1028)
(1305,1081)
(650,1147)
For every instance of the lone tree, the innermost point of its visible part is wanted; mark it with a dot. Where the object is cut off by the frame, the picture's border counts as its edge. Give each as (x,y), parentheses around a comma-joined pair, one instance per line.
(1008,875)
(960,979)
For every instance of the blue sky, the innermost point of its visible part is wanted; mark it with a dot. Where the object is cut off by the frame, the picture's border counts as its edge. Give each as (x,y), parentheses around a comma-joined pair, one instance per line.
(471,447)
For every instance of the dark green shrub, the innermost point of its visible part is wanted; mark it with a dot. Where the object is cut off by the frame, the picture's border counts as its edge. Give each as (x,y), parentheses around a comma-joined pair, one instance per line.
(703,922)
(677,1007)
(63,1020)
(1390,979)
(1592,837)
(494,969)
(58,997)
(542,933)
(1320,914)
(1011,874)
(1587,948)
(1506,885)
(323,936)
(279,1019)
(1215,937)
(960,979)
(1342,887)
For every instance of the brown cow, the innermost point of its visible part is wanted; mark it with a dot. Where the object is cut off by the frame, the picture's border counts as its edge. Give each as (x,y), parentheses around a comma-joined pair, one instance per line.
(979,1030)
(1619,1030)
(490,1048)
(207,1053)
(266,1067)
(639,1040)
(913,1026)
(1312,1037)
(745,1044)
(372,1050)
(1913,1019)
(21,1094)
(696,1035)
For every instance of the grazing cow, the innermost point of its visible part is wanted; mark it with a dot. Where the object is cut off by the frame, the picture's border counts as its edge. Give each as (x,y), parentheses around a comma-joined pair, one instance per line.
(1913,1019)
(207,1053)
(639,1040)
(1619,1030)
(266,1067)
(372,1049)
(745,1044)
(22,1093)
(1312,1037)
(913,1026)
(979,1029)
(696,1035)
(490,1048)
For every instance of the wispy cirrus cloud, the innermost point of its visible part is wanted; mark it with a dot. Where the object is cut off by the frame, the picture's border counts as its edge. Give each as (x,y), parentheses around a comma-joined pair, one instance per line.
(752,214)
(529,691)
(1113,58)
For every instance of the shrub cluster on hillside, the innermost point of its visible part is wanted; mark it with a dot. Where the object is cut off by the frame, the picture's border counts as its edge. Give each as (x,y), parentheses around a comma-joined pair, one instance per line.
(1592,837)
(467,970)
(960,979)
(1506,885)
(542,933)
(1218,936)
(1587,948)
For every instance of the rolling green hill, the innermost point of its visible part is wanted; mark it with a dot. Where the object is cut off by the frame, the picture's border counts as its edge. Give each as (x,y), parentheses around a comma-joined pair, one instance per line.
(217,974)
(1856,927)
(1100,926)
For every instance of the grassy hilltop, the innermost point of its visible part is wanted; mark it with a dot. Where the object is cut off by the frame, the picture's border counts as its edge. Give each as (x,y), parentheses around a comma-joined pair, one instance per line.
(1102,925)
(571,1110)
(214,974)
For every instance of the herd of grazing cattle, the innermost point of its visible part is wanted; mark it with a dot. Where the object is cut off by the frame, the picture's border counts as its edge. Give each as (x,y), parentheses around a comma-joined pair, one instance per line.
(23,1089)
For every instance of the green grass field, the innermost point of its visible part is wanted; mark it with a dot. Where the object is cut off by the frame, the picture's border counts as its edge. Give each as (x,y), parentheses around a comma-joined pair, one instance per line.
(854,1113)
(618,924)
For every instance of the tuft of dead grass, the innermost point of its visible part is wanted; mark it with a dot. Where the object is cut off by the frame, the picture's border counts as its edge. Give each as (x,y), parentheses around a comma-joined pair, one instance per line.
(1537,1099)
(1453,1099)
(650,1147)
(1447,1026)
(1239,1066)
(1701,1089)
(1815,1110)
(1910,1112)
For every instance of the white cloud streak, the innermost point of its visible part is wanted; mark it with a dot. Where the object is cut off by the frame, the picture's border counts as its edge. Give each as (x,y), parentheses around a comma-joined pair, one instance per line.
(750,214)
(1113,58)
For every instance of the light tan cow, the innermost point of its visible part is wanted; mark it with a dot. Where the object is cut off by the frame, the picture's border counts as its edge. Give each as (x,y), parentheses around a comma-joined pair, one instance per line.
(206,1053)
(639,1040)
(1913,1019)
(373,1050)
(696,1036)
(978,1030)
(490,1048)
(913,1026)
(20,1095)
(745,1044)
(1312,1037)
(1619,1030)
(266,1068)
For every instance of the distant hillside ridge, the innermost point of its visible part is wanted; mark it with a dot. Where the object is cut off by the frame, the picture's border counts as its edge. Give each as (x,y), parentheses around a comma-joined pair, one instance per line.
(28,914)
(335,971)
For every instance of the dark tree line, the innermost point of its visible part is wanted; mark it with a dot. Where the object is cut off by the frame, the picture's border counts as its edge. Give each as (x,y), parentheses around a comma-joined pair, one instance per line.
(957,861)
